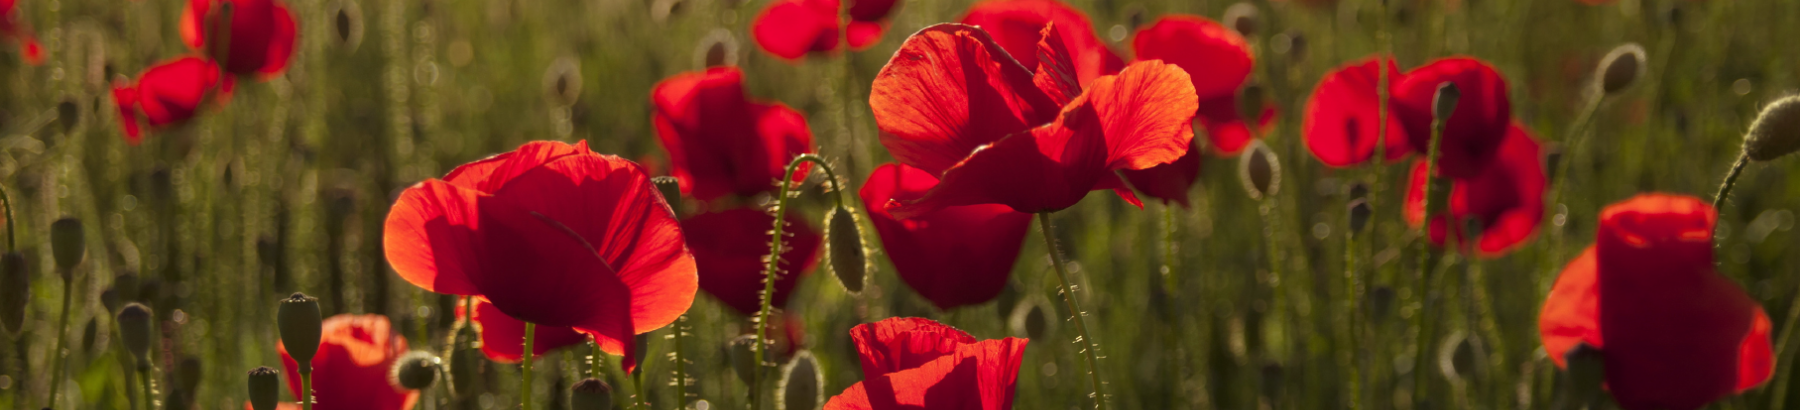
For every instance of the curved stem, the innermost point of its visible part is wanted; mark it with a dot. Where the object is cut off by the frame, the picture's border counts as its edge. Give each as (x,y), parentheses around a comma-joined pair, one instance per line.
(525,382)
(62,330)
(1731,178)
(774,261)
(1087,343)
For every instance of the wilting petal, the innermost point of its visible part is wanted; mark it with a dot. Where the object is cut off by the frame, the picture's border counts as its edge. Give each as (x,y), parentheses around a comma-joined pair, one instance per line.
(730,247)
(1017,25)
(1571,314)
(721,143)
(791,28)
(502,336)
(950,90)
(350,370)
(1474,131)
(1216,58)
(955,256)
(1343,122)
(430,237)
(1507,197)
(1169,182)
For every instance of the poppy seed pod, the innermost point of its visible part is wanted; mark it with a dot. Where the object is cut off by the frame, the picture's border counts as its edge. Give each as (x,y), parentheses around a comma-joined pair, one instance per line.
(1458,357)
(67,244)
(1586,373)
(1620,68)
(15,290)
(1260,171)
(844,243)
(742,351)
(1444,103)
(1359,215)
(801,383)
(417,370)
(265,388)
(346,24)
(671,191)
(590,394)
(1776,131)
(1030,320)
(1243,17)
(300,323)
(134,330)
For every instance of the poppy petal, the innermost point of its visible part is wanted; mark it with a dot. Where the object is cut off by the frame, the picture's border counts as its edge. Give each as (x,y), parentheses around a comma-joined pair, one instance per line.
(872,10)
(729,249)
(1343,122)
(1055,72)
(489,174)
(1216,59)
(1146,112)
(956,256)
(125,98)
(1047,169)
(950,90)
(1507,198)
(1017,25)
(1169,182)
(352,365)
(1571,313)
(429,237)
(721,143)
(502,335)
(1756,357)
(1477,127)
(898,344)
(192,33)
(924,364)
(864,34)
(281,41)
(31,50)
(791,28)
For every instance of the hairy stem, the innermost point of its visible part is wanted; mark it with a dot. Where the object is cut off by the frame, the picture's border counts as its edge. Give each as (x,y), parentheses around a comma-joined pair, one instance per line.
(774,262)
(525,367)
(1082,336)
(1731,177)
(62,330)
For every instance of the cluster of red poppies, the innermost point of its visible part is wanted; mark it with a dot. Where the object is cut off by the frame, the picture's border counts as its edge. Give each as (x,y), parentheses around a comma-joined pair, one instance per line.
(231,38)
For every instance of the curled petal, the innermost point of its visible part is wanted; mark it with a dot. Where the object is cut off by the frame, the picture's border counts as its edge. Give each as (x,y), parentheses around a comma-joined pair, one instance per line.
(950,90)
(1017,25)
(1146,112)
(430,237)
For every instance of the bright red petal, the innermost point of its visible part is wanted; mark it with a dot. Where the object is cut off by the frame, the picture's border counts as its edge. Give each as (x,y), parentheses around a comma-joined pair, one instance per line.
(1146,112)
(1216,58)
(125,97)
(1474,131)
(956,256)
(1756,358)
(791,28)
(897,344)
(1047,169)
(1571,314)
(864,34)
(1055,72)
(350,370)
(918,363)
(950,90)
(721,143)
(729,248)
(31,50)
(489,174)
(1017,25)
(502,336)
(1343,118)
(430,237)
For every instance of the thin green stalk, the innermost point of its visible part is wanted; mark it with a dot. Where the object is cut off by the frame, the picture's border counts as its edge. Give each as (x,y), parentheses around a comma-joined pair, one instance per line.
(637,385)
(144,378)
(525,382)
(1352,295)
(1062,279)
(62,330)
(306,399)
(774,264)
(595,360)
(1428,260)
(1731,178)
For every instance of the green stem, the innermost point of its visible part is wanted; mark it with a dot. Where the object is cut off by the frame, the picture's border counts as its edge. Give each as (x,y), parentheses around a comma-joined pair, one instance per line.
(1731,178)
(1087,342)
(12,242)
(305,390)
(62,329)
(680,364)
(774,264)
(525,382)
(637,384)
(150,391)
(1428,260)
(1352,294)
(594,361)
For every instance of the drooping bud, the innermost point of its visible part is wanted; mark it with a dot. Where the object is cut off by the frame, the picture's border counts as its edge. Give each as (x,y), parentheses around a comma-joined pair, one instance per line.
(1260,171)
(1444,103)
(15,290)
(1359,215)
(417,370)
(1243,17)
(562,81)
(718,49)
(671,191)
(843,239)
(1776,131)
(1620,68)
(300,323)
(134,330)
(801,384)
(265,388)
(67,244)
(742,351)
(1586,373)
(590,394)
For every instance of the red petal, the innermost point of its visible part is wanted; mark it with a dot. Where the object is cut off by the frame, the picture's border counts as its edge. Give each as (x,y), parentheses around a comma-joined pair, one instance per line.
(502,336)
(1055,72)
(1168,182)
(125,98)
(791,28)
(1017,25)
(1216,59)
(192,33)
(901,343)
(1343,116)
(864,34)
(33,52)
(171,92)
(1571,314)
(872,10)
(721,143)
(430,237)
(1756,358)
(1507,197)
(1475,129)
(489,174)
(729,247)
(956,256)
(939,368)
(356,353)
(950,90)
(281,42)
(1146,111)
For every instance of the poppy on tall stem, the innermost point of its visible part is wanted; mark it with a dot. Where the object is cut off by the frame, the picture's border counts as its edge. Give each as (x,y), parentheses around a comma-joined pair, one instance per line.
(13,30)
(1506,199)
(552,234)
(773,271)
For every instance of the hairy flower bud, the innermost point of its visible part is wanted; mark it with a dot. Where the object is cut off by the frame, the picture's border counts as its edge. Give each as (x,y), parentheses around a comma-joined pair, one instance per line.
(15,290)
(590,394)
(1260,171)
(417,370)
(265,388)
(742,352)
(67,244)
(301,324)
(1776,131)
(134,330)
(1444,103)
(801,384)
(843,239)
(1620,68)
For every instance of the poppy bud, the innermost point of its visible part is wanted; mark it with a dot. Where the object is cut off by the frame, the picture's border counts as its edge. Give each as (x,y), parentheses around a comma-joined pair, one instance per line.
(15,290)
(1359,215)
(1444,103)
(1251,100)
(346,24)
(465,369)
(562,82)
(68,114)
(1620,68)
(1358,191)
(417,370)
(1586,373)
(265,388)
(844,243)
(1260,171)
(1457,357)
(1776,131)
(671,191)
(299,320)
(719,49)
(1243,17)
(801,383)
(743,356)
(590,394)
(88,333)
(67,244)
(134,330)
(1030,320)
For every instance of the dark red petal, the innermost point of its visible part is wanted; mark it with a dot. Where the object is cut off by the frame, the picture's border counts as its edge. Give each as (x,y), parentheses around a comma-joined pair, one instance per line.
(1017,26)
(729,247)
(956,256)
(1046,169)
(502,336)
(932,366)
(1169,182)
(872,10)
(430,237)
(950,90)
(864,34)
(125,98)
(1507,197)
(171,92)
(539,270)
(791,28)
(719,142)
(1475,129)
(1216,58)
(489,174)
(1571,313)
(281,41)
(901,343)
(1343,122)
(356,353)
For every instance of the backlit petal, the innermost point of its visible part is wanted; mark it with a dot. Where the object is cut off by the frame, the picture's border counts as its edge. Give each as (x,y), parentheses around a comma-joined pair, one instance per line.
(949,90)
(955,256)
(1343,118)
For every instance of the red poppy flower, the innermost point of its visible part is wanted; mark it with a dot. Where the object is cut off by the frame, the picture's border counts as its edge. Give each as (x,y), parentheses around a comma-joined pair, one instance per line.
(1507,197)
(1474,130)
(720,142)
(1343,117)
(1217,60)
(262,34)
(729,248)
(12,30)
(791,28)
(350,370)
(167,94)
(501,334)
(919,363)
(953,103)
(1674,333)
(1017,26)
(955,256)
(552,234)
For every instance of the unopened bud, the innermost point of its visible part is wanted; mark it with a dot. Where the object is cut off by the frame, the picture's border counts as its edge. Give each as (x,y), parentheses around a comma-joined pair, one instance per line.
(1458,357)
(1586,373)
(15,290)
(134,330)
(300,323)
(1358,191)
(562,82)
(346,24)
(265,388)
(1444,103)
(465,365)
(719,49)
(1359,215)
(1244,18)
(1620,68)
(845,245)
(590,394)
(67,244)
(417,370)
(1260,171)
(1776,131)
(1030,320)
(801,384)
(742,351)
(68,114)
(88,333)
(671,191)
